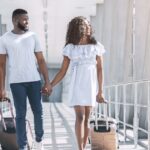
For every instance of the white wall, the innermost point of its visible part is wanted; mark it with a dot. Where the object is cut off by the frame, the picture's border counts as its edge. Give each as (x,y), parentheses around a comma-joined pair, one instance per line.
(54,14)
(59,13)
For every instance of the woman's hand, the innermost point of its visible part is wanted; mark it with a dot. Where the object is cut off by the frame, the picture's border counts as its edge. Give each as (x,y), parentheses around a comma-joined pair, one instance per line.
(47,89)
(100,98)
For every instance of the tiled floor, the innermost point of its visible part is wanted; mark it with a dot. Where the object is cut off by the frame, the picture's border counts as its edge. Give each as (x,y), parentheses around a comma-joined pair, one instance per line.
(59,129)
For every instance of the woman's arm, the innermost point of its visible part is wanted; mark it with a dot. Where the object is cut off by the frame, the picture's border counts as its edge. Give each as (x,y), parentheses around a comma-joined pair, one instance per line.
(59,76)
(100,97)
(100,73)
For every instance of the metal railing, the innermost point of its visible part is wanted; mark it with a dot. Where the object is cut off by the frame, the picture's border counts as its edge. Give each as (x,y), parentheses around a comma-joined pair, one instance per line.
(115,103)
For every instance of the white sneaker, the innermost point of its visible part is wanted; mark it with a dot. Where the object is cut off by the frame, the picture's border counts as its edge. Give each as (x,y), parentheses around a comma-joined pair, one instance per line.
(38,146)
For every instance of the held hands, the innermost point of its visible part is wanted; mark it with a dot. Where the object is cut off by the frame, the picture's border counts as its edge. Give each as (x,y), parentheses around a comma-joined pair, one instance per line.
(47,89)
(100,98)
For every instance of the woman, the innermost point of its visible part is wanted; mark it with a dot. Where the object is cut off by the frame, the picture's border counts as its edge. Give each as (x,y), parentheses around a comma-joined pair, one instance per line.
(84,54)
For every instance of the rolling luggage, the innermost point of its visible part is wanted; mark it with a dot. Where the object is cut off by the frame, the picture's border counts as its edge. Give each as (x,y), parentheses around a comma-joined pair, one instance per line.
(103,132)
(8,128)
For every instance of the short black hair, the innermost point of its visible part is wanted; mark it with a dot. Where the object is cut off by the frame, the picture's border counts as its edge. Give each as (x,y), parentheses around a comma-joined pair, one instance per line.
(17,12)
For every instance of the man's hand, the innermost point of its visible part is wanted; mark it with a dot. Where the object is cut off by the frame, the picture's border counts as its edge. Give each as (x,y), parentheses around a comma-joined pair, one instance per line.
(2,94)
(2,75)
(100,98)
(47,89)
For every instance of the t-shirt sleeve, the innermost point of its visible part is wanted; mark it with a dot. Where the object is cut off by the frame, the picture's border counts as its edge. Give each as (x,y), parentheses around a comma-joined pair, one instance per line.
(37,44)
(100,50)
(2,47)
(66,51)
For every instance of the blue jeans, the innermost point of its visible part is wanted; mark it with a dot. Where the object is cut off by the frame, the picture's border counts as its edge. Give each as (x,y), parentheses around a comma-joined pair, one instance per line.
(20,92)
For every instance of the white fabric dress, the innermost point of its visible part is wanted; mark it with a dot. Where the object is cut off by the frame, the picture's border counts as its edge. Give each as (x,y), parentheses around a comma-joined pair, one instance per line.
(83,84)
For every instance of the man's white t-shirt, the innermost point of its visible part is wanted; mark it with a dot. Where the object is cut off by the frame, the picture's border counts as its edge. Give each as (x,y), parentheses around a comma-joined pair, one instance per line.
(21,50)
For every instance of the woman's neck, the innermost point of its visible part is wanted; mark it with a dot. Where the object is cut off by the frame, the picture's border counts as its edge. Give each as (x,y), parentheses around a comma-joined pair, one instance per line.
(84,41)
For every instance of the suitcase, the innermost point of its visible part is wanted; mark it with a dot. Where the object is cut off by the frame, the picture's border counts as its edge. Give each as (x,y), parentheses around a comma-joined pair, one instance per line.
(8,129)
(103,132)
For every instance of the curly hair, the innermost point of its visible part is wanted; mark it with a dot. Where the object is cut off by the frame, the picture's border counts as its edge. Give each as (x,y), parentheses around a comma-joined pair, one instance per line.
(77,29)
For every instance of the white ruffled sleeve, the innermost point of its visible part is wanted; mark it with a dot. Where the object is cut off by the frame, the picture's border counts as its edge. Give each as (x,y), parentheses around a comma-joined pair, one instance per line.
(67,50)
(100,50)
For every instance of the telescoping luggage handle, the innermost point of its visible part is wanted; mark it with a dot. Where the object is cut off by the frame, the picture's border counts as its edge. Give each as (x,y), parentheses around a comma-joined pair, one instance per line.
(6,99)
(105,116)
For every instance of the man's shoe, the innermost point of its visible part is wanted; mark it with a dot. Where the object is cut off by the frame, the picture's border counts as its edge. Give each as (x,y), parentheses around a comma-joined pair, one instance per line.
(38,146)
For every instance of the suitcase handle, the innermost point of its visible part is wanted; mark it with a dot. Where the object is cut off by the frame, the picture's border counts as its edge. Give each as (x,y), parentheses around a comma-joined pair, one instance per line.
(105,116)
(6,99)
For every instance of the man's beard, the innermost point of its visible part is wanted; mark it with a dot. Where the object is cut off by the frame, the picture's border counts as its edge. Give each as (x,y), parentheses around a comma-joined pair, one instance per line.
(21,27)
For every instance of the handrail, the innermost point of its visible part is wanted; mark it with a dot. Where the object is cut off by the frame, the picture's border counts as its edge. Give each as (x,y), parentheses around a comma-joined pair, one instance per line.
(127,83)
(116,103)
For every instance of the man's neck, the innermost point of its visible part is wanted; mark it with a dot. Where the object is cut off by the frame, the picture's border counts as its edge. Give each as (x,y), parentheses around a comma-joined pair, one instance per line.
(18,31)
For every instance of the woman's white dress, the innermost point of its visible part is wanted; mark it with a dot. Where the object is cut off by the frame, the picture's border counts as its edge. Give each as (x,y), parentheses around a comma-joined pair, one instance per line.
(83,84)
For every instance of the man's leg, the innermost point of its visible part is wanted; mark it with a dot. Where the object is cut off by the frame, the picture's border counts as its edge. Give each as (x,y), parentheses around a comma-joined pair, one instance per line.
(34,95)
(19,96)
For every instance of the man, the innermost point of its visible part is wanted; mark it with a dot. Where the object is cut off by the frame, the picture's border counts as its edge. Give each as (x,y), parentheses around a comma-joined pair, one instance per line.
(21,47)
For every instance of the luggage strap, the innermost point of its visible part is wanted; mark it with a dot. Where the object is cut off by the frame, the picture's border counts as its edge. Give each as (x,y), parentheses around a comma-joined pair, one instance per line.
(6,99)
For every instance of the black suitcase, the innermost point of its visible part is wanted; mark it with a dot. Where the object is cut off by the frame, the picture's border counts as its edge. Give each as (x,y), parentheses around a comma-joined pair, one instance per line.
(8,130)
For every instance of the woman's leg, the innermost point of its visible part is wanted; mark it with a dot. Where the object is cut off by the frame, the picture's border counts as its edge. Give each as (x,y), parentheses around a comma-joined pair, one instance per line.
(79,125)
(86,129)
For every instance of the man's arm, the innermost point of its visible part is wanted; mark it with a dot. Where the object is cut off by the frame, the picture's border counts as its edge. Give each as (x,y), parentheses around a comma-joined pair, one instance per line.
(2,74)
(44,71)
